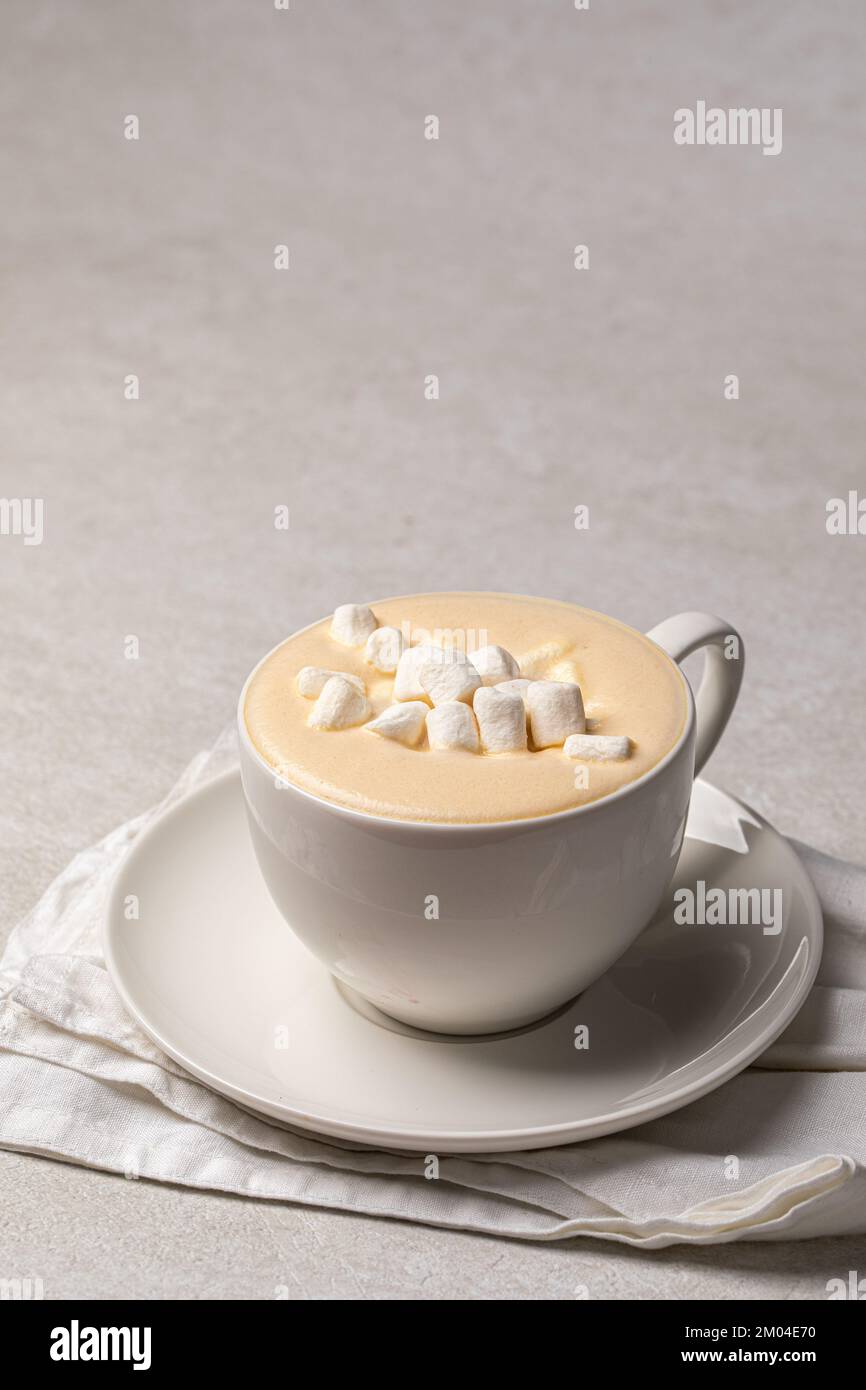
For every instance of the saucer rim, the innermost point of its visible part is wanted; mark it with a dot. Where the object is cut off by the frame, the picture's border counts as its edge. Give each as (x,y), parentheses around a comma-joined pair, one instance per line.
(463,1141)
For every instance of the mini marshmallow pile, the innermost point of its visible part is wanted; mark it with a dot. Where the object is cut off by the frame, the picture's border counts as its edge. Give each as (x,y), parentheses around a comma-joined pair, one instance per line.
(478,702)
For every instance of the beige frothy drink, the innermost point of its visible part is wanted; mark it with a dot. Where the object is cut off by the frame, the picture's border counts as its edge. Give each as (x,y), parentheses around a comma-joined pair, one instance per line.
(628,686)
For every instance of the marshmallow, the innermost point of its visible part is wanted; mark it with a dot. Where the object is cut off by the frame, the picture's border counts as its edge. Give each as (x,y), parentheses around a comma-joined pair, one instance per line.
(453,679)
(403,722)
(494,664)
(452,725)
(566,671)
(407,685)
(311,680)
(384,648)
(597,748)
(516,687)
(340,705)
(555,711)
(352,624)
(536,664)
(501,720)
(595,715)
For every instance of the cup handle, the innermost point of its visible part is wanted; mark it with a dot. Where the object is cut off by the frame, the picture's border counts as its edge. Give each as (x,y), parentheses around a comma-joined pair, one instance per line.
(723,671)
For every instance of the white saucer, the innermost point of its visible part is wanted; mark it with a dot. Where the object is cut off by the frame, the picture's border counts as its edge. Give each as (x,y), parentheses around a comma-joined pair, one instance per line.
(214,976)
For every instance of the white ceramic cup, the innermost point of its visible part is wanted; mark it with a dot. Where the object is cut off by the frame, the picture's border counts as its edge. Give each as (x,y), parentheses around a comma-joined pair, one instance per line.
(530,911)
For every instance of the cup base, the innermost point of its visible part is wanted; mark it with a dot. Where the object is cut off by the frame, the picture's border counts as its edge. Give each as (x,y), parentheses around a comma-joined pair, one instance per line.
(374,1014)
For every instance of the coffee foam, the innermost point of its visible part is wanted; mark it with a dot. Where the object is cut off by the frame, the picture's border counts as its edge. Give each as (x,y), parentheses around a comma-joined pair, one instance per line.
(633,689)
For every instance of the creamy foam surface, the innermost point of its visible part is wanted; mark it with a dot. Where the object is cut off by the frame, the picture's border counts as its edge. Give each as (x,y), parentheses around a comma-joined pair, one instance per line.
(629,687)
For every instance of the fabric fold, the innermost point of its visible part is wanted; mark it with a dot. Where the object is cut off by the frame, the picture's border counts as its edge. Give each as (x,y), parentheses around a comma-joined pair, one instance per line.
(776,1153)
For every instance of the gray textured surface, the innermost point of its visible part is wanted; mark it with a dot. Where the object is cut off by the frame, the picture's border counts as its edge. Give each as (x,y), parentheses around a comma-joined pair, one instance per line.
(305,387)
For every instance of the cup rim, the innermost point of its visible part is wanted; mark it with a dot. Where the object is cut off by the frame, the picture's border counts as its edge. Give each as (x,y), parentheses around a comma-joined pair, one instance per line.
(522,822)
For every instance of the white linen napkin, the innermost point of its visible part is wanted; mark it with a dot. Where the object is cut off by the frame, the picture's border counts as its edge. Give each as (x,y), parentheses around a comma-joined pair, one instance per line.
(80,1082)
